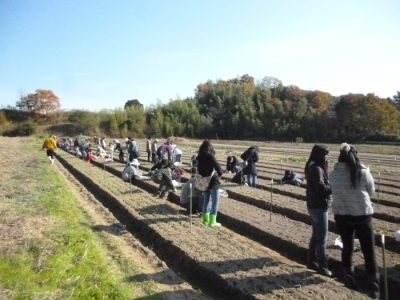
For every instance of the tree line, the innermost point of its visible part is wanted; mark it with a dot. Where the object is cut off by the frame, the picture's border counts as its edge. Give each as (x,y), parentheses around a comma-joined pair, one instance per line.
(238,108)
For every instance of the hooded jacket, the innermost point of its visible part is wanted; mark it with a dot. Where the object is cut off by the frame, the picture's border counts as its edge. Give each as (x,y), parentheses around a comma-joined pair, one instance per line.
(251,156)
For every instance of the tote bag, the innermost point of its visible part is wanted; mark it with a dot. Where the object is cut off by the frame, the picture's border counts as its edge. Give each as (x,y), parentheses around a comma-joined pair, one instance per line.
(201,183)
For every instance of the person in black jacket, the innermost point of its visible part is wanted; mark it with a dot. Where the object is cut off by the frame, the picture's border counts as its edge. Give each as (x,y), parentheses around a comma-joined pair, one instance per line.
(231,164)
(250,157)
(206,164)
(319,198)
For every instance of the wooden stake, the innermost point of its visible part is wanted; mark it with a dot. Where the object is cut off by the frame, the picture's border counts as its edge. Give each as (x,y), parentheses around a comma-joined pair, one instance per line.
(384,268)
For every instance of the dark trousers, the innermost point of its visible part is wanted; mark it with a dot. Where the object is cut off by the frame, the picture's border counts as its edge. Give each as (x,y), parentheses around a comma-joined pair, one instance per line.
(50,152)
(148,156)
(362,227)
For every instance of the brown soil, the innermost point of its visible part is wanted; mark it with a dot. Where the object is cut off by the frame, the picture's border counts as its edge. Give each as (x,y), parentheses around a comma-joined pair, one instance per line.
(259,253)
(228,263)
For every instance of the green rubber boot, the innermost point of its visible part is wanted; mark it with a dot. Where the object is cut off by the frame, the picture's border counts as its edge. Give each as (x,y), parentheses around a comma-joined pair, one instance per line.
(206,218)
(213,221)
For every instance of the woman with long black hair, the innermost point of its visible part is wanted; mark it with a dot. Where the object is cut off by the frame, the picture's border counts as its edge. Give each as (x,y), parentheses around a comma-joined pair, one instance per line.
(352,187)
(318,194)
(206,164)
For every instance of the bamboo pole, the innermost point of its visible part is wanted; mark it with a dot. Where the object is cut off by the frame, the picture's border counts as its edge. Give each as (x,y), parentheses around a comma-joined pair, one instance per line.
(384,268)
(190,208)
(270,207)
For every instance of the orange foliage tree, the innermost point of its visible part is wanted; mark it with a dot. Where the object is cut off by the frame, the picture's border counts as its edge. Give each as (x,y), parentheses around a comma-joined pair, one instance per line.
(40,105)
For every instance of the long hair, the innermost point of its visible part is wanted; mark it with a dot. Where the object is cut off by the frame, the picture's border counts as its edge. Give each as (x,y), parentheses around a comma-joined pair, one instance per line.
(206,146)
(317,156)
(348,155)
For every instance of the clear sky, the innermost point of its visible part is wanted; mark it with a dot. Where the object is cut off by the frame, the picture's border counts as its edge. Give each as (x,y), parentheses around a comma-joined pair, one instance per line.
(98,54)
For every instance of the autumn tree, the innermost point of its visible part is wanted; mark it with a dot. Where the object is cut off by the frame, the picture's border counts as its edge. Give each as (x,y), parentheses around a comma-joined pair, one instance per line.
(358,116)
(396,100)
(133,103)
(40,105)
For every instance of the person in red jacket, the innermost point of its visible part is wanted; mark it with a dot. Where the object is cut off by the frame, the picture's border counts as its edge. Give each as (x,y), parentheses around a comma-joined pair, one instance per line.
(89,156)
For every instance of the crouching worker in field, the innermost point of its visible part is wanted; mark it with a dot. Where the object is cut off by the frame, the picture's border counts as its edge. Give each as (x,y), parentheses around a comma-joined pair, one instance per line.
(197,198)
(292,178)
(132,172)
(232,165)
(89,156)
(163,177)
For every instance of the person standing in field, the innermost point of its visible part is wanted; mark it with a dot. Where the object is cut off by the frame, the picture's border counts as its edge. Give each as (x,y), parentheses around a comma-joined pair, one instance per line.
(206,164)
(250,157)
(352,187)
(319,199)
(50,145)
(148,148)
(154,151)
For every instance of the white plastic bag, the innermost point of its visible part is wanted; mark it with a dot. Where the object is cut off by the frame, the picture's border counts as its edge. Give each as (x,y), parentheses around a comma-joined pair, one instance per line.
(357,245)
(397,235)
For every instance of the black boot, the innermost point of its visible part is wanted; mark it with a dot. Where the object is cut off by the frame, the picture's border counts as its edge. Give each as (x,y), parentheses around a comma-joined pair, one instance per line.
(373,280)
(312,261)
(349,281)
(323,266)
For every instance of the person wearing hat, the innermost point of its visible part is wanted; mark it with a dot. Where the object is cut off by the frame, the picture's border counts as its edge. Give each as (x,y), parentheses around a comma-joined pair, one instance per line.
(132,172)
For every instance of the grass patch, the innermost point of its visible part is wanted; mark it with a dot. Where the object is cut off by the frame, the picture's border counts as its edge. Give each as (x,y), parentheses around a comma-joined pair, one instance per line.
(49,250)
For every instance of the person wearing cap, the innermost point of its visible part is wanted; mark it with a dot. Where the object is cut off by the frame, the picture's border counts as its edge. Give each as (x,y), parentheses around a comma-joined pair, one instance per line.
(50,145)
(117,144)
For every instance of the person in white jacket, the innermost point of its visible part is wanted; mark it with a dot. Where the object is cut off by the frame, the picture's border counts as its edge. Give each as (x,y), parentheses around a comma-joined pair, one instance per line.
(352,186)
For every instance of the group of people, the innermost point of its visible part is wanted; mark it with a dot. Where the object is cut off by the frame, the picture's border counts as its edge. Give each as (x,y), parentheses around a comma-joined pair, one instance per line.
(347,190)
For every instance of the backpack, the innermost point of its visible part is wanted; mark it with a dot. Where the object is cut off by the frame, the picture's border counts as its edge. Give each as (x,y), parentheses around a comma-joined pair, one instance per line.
(157,176)
(135,151)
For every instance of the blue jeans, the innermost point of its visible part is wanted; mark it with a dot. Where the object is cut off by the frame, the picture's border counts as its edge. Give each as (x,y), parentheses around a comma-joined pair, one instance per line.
(319,237)
(252,180)
(214,195)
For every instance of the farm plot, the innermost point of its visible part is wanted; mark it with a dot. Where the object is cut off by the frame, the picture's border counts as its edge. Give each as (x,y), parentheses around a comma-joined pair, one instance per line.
(253,222)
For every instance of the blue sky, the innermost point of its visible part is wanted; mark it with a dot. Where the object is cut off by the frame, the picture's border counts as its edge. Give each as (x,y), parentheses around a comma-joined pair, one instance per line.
(98,54)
